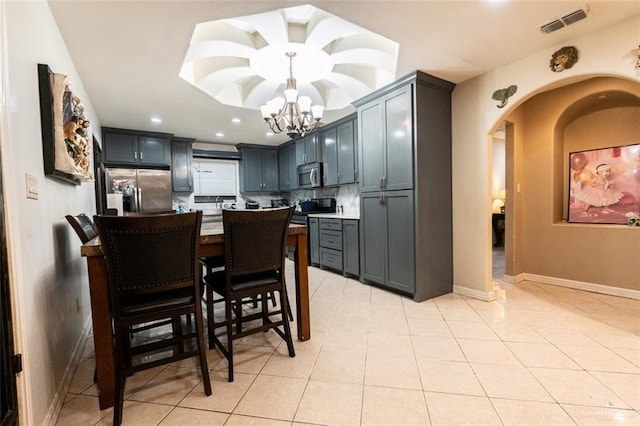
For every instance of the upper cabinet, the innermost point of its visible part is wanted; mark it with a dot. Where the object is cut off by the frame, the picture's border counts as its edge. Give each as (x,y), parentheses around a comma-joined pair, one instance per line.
(339,152)
(182,164)
(387,156)
(287,167)
(307,149)
(258,169)
(124,147)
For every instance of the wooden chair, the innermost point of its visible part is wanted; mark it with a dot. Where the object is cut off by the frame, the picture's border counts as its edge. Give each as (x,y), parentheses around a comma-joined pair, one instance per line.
(153,273)
(254,266)
(83,226)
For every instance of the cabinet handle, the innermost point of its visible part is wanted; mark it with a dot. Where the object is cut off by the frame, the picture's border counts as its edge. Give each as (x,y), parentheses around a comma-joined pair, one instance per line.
(141,155)
(135,156)
(381,202)
(381,181)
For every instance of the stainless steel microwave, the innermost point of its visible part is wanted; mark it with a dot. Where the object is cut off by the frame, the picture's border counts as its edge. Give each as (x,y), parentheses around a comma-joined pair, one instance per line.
(310,175)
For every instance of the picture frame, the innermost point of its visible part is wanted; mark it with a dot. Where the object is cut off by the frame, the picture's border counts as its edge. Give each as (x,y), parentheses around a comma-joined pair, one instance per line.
(604,185)
(66,140)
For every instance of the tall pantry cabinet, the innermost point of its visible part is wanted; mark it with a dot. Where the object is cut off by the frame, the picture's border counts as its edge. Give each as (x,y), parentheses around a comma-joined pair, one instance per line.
(404,145)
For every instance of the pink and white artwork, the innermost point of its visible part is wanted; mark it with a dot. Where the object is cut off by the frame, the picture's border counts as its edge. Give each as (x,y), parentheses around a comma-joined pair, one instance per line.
(604,185)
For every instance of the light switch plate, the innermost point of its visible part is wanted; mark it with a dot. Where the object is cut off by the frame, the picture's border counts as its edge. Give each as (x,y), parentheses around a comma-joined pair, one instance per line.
(32,186)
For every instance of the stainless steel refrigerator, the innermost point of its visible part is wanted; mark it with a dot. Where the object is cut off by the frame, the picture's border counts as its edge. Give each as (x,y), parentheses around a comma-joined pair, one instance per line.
(143,190)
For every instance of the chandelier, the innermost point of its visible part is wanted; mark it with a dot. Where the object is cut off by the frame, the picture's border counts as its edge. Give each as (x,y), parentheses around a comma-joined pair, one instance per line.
(292,113)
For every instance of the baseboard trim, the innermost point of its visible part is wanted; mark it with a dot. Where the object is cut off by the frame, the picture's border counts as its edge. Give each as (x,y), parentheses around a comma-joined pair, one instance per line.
(581,285)
(58,400)
(486,296)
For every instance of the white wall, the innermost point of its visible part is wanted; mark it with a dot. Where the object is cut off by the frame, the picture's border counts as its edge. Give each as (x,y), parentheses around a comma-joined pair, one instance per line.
(48,277)
(475,117)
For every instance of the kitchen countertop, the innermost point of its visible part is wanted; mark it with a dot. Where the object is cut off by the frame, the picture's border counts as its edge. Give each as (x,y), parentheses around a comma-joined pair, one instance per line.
(355,215)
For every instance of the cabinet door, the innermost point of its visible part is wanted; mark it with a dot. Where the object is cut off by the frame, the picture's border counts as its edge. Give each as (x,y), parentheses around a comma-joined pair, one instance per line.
(120,148)
(350,251)
(301,152)
(154,151)
(283,169)
(346,153)
(314,241)
(373,237)
(252,169)
(293,168)
(181,166)
(329,157)
(312,147)
(399,140)
(371,145)
(269,170)
(400,228)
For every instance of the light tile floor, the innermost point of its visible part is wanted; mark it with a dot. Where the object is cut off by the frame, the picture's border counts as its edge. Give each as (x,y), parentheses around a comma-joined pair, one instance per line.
(538,354)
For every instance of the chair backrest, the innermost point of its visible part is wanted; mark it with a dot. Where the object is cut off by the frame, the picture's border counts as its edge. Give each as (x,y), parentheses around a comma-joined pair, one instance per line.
(150,254)
(255,240)
(83,226)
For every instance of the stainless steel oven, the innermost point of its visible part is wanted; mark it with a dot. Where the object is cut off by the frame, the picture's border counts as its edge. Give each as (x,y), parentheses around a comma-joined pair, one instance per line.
(310,175)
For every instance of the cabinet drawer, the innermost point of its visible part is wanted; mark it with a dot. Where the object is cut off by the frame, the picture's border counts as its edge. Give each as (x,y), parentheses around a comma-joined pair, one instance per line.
(331,239)
(331,258)
(335,224)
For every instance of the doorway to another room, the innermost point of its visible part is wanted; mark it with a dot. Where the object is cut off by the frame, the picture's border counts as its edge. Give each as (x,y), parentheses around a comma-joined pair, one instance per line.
(498,201)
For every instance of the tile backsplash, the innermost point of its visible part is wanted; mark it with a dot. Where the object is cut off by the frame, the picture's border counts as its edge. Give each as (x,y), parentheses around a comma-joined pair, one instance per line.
(347,196)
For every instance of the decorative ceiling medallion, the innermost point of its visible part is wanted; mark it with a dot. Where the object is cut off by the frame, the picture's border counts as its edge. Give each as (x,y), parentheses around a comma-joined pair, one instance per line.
(241,61)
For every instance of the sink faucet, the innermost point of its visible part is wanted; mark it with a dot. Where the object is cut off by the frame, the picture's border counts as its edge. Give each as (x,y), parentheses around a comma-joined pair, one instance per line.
(218,201)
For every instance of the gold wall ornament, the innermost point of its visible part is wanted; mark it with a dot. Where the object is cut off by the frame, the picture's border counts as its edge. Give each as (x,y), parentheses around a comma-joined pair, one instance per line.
(563,59)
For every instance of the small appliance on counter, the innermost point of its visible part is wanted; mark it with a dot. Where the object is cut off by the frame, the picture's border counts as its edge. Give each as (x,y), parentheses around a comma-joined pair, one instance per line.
(251,205)
(279,202)
(315,205)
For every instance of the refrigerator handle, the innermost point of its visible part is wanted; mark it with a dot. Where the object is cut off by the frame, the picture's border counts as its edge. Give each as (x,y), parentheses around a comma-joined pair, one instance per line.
(139,199)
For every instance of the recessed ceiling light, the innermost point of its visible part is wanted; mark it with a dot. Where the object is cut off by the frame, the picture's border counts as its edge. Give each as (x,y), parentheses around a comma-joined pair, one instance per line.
(156,120)
(236,120)
(269,133)
(219,134)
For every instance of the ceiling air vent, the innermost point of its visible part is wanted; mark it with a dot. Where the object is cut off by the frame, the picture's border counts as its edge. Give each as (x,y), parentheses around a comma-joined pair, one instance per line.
(568,19)
(576,16)
(551,26)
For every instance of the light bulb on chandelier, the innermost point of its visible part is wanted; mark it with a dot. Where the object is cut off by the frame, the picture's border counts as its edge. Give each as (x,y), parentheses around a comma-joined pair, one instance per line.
(292,113)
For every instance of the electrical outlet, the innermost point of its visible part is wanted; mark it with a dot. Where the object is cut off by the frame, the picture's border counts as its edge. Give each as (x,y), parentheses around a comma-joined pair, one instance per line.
(32,186)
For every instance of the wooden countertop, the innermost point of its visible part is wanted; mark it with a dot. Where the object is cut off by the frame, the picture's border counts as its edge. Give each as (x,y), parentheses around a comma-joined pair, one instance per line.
(211,232)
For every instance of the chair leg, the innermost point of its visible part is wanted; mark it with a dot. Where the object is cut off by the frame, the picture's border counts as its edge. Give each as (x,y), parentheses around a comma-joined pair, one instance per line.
(121,363)
(229,320)
(204,369)
(284,300)
(211,326)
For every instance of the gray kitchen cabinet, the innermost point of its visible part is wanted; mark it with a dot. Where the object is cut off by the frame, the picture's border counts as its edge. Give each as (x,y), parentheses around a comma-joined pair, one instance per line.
(330,232)
(293,168)
(387,239)
(338,149)
(284,177)
(287,168)
(350,247)
(259,169)
(314,241)
(182,164)
(347,152)
(123,147)
(308,149)
(404,143)
(386,157)
(328,138)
